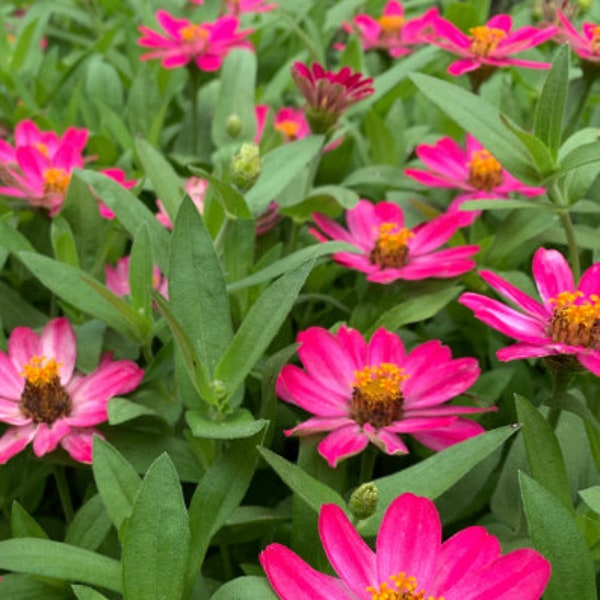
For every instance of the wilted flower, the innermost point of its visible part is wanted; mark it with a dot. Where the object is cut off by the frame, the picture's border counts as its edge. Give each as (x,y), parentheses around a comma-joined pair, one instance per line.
(45,402)
(391,251)
(363,392)
(206,44)
(564,324)
(410,561)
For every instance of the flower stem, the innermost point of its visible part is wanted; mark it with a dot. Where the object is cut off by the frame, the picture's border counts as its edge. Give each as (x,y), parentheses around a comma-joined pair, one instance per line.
(63,492)
(567,224)
(367,464)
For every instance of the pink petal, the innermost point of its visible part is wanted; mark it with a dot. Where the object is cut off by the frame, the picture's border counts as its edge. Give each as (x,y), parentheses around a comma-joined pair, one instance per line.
(11,383)
(23,345)
(47,436)
(354,343)
(552,273)
(410,424)
(57,340)
(387,441)
(342,443)
(590,361)
(460,430)
(520,351)
(464,65)
(320,424)
(590,280)
(522,300)
(333,229)
(420,359)
(10,412)
(435,233)
(363,223)
(385,347)
(79,443)
(14,440)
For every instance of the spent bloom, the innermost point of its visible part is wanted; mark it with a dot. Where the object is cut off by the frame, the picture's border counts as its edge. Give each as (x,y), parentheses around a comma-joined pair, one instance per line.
(390,251)
(205,44)
(117,279)
(46,402)
(410,561)
(363,392)
(585,44)
(489,46)
(328,94)
(566,321)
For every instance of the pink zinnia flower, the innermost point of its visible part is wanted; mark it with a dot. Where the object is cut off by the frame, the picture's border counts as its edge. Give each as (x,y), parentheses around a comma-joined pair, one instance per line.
(390,251)
(328,93)
(585,44)
(206,44)
(291,123)
(196,189)
(489,45)
(564,324)
(237,7)
(370,392)
(46,402)
(410,561)
(117,279)
(120,177)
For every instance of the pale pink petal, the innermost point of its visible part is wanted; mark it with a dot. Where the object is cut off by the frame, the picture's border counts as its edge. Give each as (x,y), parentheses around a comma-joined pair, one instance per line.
(47,436)
(363,224)
(386,440)
(57,341)
(79,444)
(320,424)
(522,300)
(11,383)
(23,345)
(460,430)
(342,443)
(334,230)
(14,440)
(385,347)
(552,273)
(10,413)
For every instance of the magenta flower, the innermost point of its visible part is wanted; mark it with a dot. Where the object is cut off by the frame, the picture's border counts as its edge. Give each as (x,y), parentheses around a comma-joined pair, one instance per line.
(390,251)
(410,561)
(490,45)
(363,392)
(206,44)
(117,279)
(585,44)
(564,324)
(120,177)
(291,123)
(328,94)
(46,402)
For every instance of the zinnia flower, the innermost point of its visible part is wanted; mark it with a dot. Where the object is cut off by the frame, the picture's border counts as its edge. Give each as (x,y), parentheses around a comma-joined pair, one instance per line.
(46,402)
(206,44)
(585,44)
(391,251)
(328,93)
(410,561)
(370,392)
(490,45)
(566,321)
(291,123)
(117,279)
(196,189)
(237,7)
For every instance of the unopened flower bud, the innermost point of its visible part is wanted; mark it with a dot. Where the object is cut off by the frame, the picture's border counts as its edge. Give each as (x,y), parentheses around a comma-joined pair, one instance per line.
(245,166)
(363,501)
(233,125)
(219,388)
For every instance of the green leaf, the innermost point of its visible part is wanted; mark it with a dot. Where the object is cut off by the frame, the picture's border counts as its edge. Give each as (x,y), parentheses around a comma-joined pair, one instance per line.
(90,525)
(312,491)
(229,198)
(156,540)
(141,271)
(46,558)
(218,494)
(116,480)
(572,404)
(273,179)
(586,154)
(15,310)
(550,109)
(543,451)
(239,424)
(13,240)
(591,496)
(556,535)
(63,241)
(23,524)
(121,410)
(483,121)
(22,587)
(85,593)
(259,327)
(245,588)
(502,204)
(436,474)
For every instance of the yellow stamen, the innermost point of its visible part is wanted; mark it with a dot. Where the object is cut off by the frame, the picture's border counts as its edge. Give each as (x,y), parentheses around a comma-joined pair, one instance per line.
(404,588)
(377,394)
(288,127)
(575,319)
(391,246)
(595,41)
(391,23)
(194,33)
(485,172)
(56,181)
(38,373)
(484,40)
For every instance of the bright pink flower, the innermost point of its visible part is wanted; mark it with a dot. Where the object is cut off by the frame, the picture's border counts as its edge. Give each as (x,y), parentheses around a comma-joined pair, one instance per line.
(370,392)
(261,112)
(206,44)
(196,188)
(328,93)
(237,7)
(391,31)
(291,123)
(117,279)
(120,177)
(46,402)
(489,45)
(564,323)
(390,251)
(410,561)
(586,44)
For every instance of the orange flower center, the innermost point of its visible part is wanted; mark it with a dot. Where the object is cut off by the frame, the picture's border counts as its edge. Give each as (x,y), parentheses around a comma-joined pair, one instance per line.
(391,23)
(192,34)
(402,588)
(56,181)
(44,400)
(595,41)
(484,40)
(391,246)
(288,127)
(485,172)
(575,319)
(42,148)
(377,395)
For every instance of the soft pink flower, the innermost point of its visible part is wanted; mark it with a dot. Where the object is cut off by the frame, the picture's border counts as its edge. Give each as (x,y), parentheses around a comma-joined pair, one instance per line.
(410,561)
(365,392)
(237,7)
(391,31)
(564,323)
(196,189)
(117,279)
(46,402)
(120,177)
(206,44)
(391,251)
(291,123)
(489,45)
(585,44)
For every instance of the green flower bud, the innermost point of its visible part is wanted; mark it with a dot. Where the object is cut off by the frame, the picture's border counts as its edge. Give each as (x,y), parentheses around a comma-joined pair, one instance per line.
(245,166)
(363,501)
(233,125)
(219,388)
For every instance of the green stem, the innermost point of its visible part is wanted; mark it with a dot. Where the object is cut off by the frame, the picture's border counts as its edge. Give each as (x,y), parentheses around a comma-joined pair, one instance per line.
(584,89)
(567,224)
(195,82)
(63,492)
(226,562)
(367,464)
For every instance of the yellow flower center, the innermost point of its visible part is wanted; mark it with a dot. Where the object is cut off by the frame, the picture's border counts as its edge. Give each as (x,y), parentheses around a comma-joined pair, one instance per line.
(391,246)
(484,40)
(288,127)
(595,41)
(391,23)
(402,588)
(485,172)
(56,181)
(377,395)
(42,148)
(575,319)
(44,400)
(192,34)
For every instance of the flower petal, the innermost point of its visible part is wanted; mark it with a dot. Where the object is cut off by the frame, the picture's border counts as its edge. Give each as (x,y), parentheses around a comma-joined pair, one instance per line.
(385,347)
(79,444)
(552,274)
(460,430)
(342,443)
(57,340)
(14,440)
(47,436)
(11,383)
(23,345)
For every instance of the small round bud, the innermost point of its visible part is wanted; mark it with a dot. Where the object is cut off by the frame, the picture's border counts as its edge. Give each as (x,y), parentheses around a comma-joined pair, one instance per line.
(219,388)
(245,166)
(233,125)
(363,501)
